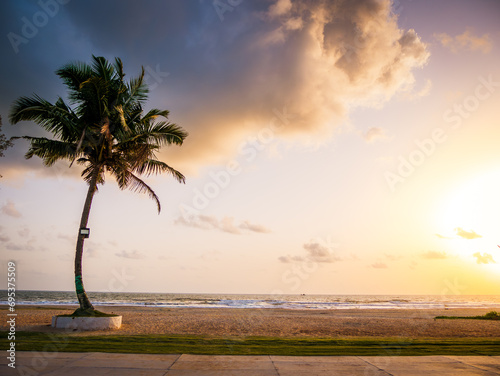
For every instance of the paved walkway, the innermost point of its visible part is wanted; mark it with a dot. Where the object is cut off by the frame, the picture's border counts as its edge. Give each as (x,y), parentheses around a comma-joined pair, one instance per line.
(97,364)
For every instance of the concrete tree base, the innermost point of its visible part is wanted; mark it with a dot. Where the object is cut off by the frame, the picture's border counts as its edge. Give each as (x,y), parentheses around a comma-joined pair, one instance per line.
(87,323)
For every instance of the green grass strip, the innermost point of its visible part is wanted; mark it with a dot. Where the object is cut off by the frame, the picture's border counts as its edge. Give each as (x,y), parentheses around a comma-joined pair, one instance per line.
(493,315)
(184,344)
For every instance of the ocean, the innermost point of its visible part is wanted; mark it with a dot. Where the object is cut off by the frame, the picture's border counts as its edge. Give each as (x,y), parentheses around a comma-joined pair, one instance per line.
(309,302)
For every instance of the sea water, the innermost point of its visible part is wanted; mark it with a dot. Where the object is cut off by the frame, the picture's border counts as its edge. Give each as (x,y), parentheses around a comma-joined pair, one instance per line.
(310,302)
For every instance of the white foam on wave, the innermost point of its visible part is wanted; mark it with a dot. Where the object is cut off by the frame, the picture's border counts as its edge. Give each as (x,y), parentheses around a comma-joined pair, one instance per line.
(310,302)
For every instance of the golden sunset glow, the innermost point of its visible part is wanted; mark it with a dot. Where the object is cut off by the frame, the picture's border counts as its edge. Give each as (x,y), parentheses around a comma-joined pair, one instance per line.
(472,211)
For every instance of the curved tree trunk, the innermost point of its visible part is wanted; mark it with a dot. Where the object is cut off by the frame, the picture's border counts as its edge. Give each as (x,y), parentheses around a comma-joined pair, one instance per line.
(80,290)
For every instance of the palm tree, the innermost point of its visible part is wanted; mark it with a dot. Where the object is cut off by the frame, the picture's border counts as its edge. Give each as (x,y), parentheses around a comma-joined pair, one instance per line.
(4,142)
(104,129)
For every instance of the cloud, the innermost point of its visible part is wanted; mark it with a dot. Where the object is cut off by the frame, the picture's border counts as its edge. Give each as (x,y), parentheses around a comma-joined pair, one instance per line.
(319,253)
(67,237)
(392,257)
(460,232)
(374,133)
(15,247)
(207,222)
(379,265)
(434,255)
(10,209)
(315,252)
(92,251)
(485,258)
(467,234)
(316,58)
(226,224)
(130,255)
(24,232)
(465,41)
(254,227)
(279,8)
(290,259)
(22,247)
(3,238)
(442,236)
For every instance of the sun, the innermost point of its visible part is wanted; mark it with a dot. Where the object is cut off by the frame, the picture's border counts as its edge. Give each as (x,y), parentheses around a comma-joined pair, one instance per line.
(470,213)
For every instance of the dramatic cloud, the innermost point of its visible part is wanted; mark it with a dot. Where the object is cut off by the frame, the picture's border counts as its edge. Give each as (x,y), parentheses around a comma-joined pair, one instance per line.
(315,252)
(467,234)
(315,58)
(226,82)
(10,209)
(485,258)
(465,41)
(280,7)
(434,255)
(379,265)
(135,255)
(226,224)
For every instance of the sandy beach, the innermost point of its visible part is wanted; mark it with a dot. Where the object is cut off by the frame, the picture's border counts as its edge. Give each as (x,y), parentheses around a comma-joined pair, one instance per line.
(274,322)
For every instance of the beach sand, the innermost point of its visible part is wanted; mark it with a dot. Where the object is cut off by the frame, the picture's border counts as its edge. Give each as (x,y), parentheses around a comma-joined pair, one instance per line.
(227,322)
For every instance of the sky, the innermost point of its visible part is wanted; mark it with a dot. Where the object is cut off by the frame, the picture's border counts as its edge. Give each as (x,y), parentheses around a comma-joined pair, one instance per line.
(335,147)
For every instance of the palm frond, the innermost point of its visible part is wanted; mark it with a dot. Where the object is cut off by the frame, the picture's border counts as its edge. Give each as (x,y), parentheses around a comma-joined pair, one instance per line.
(102,68)
(58,119)
(153,166)
(164,133)
(153,114)
(121,117)
(88,173)
(137,185)
(118,65)
(127,180)
(95,91)
(74,74)
(134,113)
(137,90)
(78,146)
(50,151)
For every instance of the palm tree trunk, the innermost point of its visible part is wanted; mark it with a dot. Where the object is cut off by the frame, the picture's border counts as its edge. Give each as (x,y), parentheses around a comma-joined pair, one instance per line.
(80,290)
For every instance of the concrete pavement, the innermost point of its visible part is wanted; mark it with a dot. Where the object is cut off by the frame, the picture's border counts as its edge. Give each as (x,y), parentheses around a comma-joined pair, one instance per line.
(97,364)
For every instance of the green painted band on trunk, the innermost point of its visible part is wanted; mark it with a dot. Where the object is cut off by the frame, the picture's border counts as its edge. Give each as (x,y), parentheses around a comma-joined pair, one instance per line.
(79,284)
